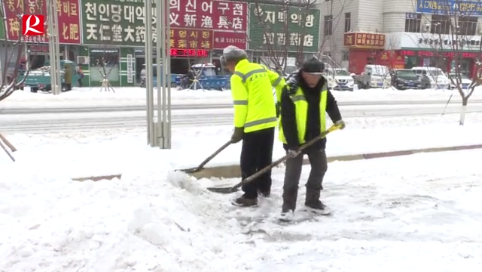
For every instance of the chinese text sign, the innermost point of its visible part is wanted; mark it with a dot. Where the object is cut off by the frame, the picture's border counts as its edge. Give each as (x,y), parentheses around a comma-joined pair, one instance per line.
(365,40)
(450,7)
(68,16)
(122,22)
(191,39)
(269,24)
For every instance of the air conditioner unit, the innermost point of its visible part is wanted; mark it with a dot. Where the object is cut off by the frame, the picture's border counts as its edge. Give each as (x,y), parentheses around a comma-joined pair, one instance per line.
(425,25)
(83,60)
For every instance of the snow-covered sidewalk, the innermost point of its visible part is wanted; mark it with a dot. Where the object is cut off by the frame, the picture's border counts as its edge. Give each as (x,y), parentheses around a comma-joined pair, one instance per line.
(417,213)
(85,154)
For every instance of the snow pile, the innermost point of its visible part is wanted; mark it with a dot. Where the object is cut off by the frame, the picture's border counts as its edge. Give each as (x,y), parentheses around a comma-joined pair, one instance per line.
(139,223)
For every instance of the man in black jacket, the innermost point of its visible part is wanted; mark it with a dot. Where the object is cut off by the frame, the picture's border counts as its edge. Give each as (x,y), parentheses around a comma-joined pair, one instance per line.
(304,102)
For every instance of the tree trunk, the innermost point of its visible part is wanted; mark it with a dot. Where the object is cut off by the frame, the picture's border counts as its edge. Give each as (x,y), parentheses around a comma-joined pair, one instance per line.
(463,111)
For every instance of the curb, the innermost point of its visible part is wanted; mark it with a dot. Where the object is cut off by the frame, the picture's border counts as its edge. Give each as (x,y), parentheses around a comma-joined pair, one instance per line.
(233,171)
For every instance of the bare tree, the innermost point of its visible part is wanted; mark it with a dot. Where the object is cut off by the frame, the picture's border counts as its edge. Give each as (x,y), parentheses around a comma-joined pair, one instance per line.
(14,64)
(333,12)
(290,37)
(451,34)
(104,63)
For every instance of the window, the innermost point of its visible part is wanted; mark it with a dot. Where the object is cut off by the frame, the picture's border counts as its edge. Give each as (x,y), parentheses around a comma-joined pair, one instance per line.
(440,24)
(104,62)
(328,25)
(345,55)
(413,22)
(467,25)
(347,22)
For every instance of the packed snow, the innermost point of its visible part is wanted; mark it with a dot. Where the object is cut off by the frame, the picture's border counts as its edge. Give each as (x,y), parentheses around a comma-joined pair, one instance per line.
(81,97)
(414,213)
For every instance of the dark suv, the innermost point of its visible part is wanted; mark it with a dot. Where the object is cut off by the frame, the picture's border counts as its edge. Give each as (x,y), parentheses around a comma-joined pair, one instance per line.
(403,79)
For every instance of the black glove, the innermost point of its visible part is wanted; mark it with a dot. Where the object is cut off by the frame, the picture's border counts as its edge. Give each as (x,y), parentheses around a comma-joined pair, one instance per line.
(237,135)
(292,84)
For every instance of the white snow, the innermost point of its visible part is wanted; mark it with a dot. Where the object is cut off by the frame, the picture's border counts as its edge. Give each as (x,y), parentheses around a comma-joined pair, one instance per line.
(137,96)
(413,213)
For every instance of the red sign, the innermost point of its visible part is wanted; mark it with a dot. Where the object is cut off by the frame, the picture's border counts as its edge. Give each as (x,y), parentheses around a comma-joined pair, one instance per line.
(224,39)
(191,39)
(68,16)
(365,40)
(189,53)
(209,14)
(412,53)
(33,25)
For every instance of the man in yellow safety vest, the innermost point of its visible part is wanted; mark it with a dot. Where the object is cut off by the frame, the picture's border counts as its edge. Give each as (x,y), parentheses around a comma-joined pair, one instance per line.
(254,119)
(304,103)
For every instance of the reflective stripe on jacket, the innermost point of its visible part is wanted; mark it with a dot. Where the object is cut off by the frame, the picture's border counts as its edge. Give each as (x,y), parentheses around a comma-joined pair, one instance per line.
(301,107)
(254,105)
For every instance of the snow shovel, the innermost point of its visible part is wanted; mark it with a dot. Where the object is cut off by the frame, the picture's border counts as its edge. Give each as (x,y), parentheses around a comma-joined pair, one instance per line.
(228,190)
(208,159)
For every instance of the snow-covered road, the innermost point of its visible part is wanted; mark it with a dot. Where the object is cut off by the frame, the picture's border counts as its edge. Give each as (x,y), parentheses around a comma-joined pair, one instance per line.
(416,213)
(61,122)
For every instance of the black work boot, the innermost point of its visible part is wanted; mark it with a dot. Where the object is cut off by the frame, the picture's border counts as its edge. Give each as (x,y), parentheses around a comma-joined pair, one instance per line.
(313,203)
(243,201)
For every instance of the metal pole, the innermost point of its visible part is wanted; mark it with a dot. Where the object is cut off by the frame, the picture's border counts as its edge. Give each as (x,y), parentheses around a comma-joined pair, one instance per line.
(168,69)
(51,32)
(161,75)
(57,32)
(149,75)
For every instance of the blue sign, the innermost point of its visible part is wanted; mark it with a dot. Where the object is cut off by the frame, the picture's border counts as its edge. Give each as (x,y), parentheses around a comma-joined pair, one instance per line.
(450,7)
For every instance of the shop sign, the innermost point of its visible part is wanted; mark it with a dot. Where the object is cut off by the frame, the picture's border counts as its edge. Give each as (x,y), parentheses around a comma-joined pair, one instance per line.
(224,39)
(191,39)
(68,19)
(413,53)
(449,42)
(270,25)
(364,40)
(450,7)
(120,22)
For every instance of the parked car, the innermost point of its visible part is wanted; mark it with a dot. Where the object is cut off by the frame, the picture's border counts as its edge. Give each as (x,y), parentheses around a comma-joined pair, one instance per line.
(466,81)
(403,79)
(339,79)
(436,76)
(374,76)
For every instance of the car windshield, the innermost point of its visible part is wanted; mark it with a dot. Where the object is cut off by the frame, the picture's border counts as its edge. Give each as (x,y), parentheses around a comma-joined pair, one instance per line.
(378,70)
(406,73)
(435,72)
(342,72)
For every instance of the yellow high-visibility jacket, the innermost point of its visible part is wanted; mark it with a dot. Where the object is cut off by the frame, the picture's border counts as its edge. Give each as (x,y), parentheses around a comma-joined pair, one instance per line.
(301,108)
(254,104)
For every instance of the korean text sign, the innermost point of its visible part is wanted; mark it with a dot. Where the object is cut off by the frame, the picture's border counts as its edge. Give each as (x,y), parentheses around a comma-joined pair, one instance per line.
(450,7)
(68,16)
(122,22)
(270,24)
(191,39)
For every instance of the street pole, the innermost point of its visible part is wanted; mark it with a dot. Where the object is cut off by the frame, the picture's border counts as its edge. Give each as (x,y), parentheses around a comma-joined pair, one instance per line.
(52,23)
(159,133)
(151,136)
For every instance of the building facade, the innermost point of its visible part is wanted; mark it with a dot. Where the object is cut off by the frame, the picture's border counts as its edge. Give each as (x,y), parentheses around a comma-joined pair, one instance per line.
(107,37)
(401,34)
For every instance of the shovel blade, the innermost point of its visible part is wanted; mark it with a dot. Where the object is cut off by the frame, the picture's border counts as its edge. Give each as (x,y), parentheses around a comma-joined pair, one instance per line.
(189,170)
(223,190)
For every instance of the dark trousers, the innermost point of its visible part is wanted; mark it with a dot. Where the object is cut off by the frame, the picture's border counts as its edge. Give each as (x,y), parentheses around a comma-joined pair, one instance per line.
(256,154)
(319,166)
(79,81)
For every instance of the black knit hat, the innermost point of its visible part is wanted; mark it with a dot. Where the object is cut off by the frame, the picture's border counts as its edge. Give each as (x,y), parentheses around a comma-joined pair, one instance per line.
(313,66)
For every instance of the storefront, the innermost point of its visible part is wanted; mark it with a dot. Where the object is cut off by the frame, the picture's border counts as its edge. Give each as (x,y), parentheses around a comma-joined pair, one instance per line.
(433,50)
(366,48)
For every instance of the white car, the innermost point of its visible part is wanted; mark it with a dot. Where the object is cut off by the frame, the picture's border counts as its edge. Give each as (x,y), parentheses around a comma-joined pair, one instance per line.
(339,79)
(438,79)
(375,76)
(466,81)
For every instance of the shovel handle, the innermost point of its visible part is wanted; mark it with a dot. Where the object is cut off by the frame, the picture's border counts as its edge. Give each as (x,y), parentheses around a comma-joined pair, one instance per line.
(208,159)
(280,160)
